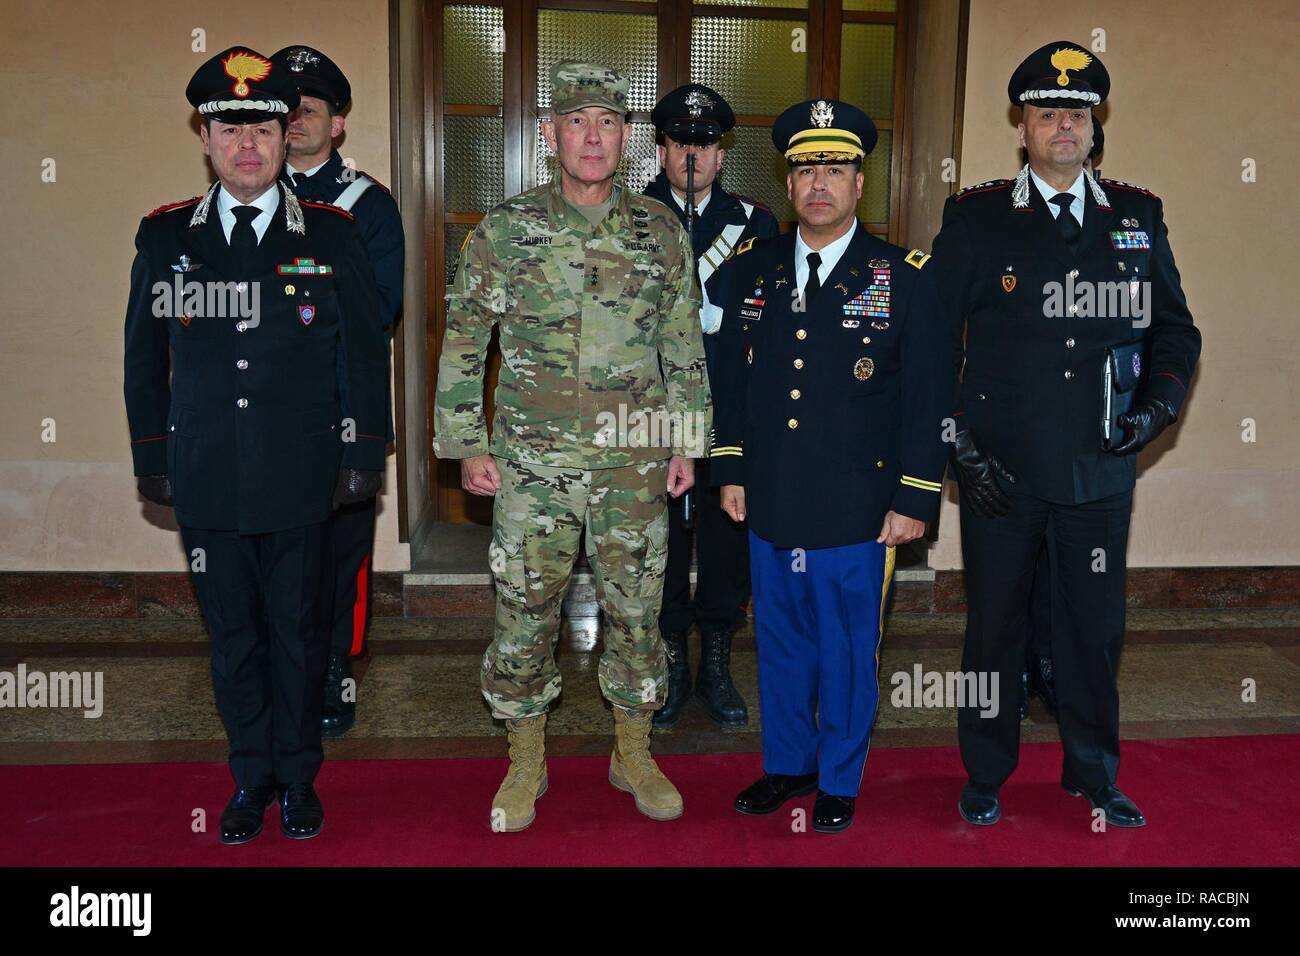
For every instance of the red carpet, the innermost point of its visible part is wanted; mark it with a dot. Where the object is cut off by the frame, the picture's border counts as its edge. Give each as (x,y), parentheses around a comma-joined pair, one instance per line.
(1226,801)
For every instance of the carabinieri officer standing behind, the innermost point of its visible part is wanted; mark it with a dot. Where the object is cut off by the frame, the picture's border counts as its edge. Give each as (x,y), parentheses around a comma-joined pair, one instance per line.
(691,121)
(314,170)
(834,373)
(237,421)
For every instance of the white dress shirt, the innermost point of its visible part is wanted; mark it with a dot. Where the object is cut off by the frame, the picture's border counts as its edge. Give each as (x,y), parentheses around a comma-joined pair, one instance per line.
(268,202)
(830,256)
(1047,192)
(308,172)
(699,206)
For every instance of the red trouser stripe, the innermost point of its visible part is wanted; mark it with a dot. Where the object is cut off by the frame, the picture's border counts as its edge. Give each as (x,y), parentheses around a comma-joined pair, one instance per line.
(359,608)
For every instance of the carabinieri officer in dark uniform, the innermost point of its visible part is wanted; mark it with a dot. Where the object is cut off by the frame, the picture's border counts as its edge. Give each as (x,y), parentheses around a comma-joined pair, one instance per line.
(243,303)
(314,170)
(1055,277)
(691,121)
(834,373)
(1037,680)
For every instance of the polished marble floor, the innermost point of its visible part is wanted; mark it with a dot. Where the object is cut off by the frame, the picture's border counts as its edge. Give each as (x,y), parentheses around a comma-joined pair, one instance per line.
(1183,674)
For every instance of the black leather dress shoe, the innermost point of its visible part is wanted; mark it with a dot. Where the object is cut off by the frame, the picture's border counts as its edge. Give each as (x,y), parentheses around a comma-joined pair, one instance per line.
(241,821)
(771,790)
(831,814)
(979,805)
(1120,810)
(301,813)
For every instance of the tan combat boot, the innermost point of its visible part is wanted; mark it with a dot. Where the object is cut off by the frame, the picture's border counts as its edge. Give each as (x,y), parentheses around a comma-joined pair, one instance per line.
(632,769)
(512,807)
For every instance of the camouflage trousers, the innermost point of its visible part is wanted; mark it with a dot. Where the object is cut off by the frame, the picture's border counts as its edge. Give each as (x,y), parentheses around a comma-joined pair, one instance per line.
(537,524)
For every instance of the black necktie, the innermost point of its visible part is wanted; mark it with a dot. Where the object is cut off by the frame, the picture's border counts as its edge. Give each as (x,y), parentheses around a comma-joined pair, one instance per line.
(243,240)
(300,180)
(1065,221)
(814,283)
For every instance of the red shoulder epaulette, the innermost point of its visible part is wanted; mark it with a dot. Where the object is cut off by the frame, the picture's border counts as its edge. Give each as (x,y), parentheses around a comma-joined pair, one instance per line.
(1129,186)
(173,205)
(325,205)
(983,188)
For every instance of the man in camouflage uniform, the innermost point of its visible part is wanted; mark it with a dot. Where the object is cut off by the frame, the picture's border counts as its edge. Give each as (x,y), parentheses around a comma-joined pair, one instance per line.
(602,403)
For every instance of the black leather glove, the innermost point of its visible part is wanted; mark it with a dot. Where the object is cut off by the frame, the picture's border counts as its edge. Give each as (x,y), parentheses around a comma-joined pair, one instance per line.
(977,476)
(1141,424)
(156,488)
(355,485)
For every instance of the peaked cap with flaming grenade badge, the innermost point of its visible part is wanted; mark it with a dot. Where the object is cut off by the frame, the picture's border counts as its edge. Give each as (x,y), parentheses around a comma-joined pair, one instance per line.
(240,85)
(1059,74)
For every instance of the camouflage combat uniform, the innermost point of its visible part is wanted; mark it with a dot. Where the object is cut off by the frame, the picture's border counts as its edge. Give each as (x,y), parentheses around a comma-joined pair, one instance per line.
(588,316)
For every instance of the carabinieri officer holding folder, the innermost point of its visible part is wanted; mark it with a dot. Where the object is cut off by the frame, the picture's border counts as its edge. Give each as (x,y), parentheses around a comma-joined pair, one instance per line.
(1073,312)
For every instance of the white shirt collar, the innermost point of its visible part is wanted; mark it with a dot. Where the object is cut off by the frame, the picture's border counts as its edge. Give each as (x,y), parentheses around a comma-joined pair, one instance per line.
(830,255)
(268,202)
(681,203)
(307,172)
(1047,192)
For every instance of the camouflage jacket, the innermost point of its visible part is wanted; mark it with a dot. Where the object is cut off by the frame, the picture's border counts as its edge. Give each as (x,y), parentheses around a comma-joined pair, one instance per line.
(602,355)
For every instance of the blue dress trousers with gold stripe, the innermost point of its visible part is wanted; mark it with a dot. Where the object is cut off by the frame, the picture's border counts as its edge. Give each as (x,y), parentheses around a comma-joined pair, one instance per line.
(829,417)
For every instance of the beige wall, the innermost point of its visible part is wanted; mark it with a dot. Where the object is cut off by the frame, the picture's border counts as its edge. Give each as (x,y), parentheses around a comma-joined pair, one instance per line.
(99,88)
(1196,87)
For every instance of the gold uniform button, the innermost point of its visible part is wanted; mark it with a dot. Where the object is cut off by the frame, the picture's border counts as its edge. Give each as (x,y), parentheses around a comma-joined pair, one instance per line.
(866,340)
(880,464)
(798,363)
(795,393)
(793,423)
(801,334)
(289,290)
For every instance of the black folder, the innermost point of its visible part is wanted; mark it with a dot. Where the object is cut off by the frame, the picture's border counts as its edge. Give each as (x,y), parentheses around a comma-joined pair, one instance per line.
(1124,370)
